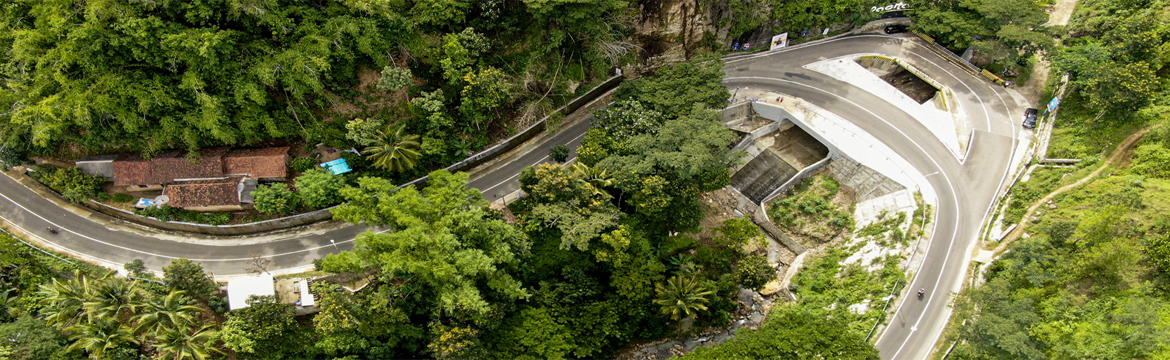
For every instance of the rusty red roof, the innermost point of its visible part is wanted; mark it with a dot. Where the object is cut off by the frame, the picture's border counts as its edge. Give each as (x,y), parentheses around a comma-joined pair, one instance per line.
(257,163)
(132,170)
(203,193)
(212,163)
(174,165)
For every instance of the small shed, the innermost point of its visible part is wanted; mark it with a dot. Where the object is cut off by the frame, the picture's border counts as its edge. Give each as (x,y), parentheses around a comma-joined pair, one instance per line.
(97,165)
(239,290)
(246,187)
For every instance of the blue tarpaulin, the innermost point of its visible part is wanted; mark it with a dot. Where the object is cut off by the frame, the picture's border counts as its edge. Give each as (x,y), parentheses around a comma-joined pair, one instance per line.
(144,203)
(337,167)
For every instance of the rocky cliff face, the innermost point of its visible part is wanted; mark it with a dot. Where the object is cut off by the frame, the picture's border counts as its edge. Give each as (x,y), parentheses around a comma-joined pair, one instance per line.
(670,30)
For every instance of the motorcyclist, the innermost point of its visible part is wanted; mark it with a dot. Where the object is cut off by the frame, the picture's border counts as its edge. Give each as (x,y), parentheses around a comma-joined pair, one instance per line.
(921,292)
(51,229)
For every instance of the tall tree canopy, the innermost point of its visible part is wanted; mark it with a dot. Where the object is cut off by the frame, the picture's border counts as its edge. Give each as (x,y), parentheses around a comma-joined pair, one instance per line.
(1117,61)
(1008,31)
(445,239)
(158,74)
(121,75)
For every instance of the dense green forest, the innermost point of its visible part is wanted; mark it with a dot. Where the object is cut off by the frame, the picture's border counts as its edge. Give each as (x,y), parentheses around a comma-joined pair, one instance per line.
(602,253)
(597,256)
(119,75)
(1004,33)
(593,262)
(1091,279)
(793,16)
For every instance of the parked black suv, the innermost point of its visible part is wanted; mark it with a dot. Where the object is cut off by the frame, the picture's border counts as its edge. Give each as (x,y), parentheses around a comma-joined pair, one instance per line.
(1030,118)
(894,29)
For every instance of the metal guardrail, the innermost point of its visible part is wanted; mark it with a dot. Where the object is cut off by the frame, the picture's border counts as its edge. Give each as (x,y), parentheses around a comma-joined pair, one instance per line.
(34,247)
(528,133)
(950,56)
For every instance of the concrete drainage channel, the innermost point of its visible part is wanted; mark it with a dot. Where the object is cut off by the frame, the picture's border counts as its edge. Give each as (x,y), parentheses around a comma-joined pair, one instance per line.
(781,151)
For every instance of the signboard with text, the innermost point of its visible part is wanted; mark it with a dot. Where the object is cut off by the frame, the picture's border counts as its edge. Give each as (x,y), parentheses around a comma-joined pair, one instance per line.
(779,41)
(900,6)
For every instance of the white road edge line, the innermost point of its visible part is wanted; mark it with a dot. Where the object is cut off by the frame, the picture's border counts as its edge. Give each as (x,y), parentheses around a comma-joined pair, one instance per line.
(533,164)
(987,116)
(958,210)
(986,215)
(140,251)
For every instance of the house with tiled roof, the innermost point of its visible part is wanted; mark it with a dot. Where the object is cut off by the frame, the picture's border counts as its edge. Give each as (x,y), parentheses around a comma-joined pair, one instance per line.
(224,194)
(132,171)
(202,182)
(174,166)
(265,164)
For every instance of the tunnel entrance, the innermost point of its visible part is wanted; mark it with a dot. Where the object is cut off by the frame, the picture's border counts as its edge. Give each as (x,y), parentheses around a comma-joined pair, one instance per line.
(900,78)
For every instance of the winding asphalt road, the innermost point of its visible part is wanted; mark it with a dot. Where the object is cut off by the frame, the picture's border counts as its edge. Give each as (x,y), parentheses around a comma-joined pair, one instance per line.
(965,188)
(95,241)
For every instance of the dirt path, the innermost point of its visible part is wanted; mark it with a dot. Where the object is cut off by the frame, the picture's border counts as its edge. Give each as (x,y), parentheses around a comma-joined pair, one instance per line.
(1118,154)
(1034,87)
(1061,12)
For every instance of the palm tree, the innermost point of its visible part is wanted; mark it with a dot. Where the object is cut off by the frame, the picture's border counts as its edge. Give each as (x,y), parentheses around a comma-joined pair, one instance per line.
(681,297)
(98,336)
(598,179)
(394,150)
(64,301)
(114,298)
(7,305)
(186,343)
(172,311)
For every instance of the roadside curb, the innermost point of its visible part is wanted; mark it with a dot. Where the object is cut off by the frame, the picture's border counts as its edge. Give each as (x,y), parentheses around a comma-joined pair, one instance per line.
(120,224)
(23,235)
(866,28)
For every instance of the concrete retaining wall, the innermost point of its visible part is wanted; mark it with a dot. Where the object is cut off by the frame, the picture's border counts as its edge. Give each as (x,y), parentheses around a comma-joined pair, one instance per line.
(779,114)
(756,134)
(944,92)
(737,112)
(758,215)
(796,179)
(866,182)
(221,230)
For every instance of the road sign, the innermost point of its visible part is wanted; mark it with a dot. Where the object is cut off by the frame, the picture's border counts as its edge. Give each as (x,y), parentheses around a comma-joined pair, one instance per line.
(1053,104)
(779,41)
